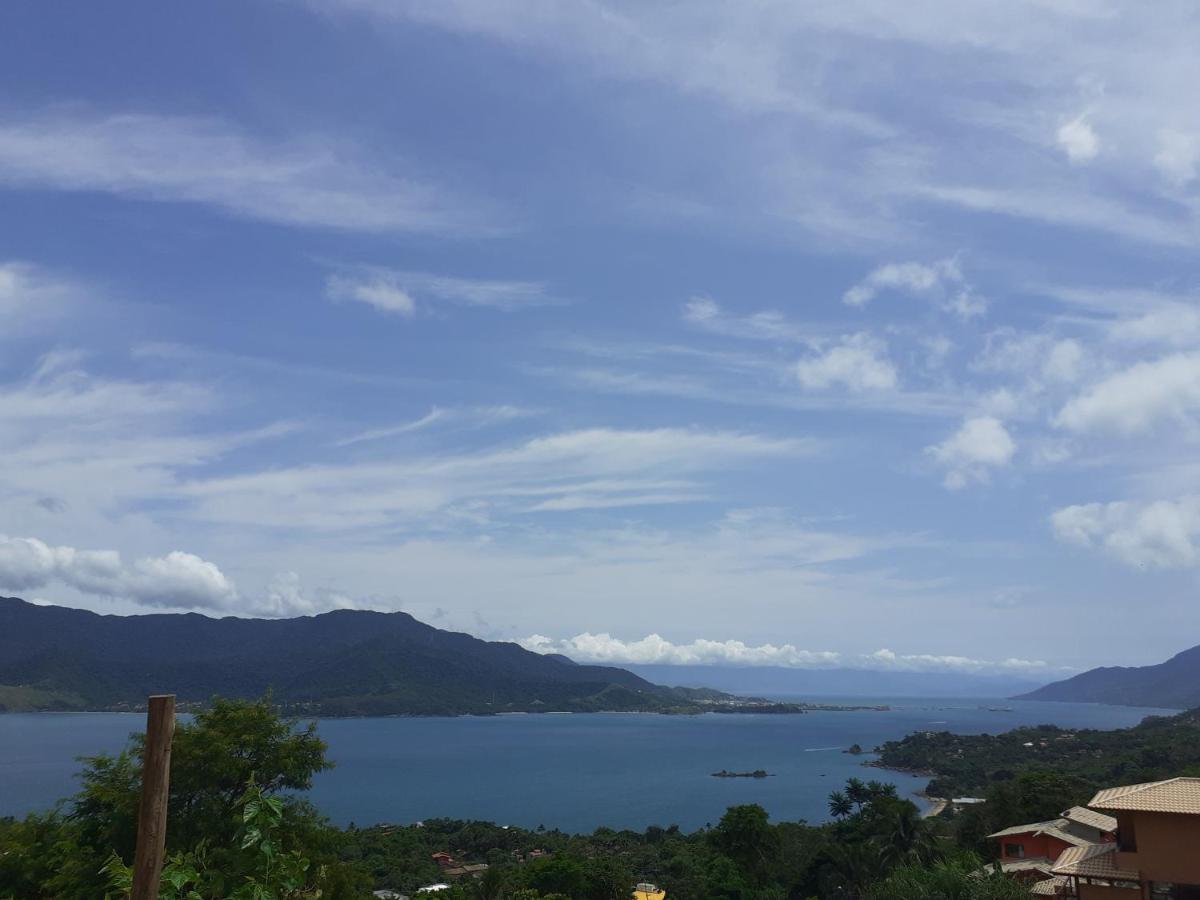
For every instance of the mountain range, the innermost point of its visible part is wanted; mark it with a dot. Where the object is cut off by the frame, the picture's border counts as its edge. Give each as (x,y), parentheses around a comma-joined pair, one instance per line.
(1174,684)
(347,662)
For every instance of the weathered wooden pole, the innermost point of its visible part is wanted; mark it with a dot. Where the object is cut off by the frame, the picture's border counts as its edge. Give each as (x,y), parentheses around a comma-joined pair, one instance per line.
(152,814)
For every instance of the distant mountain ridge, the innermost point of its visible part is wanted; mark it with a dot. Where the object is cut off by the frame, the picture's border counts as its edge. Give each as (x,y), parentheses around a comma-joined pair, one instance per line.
(1174,684)
(347,662)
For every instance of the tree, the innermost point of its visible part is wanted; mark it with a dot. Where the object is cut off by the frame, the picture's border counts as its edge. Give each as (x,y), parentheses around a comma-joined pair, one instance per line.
(214,758)
(899,832)
(269,871)
(956,879)
(746,837)
(606,879)
(556,875)
(857,792)
(847,869)
(840,805)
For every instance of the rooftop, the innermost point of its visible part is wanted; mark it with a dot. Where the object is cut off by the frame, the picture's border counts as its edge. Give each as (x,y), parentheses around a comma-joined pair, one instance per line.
(1091,818)
(1057,828)
(1034,864)
(1093,861)
(1051,887)
(1175,795)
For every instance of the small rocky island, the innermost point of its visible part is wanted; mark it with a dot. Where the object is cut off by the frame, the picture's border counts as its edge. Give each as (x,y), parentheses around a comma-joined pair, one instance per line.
(757,773)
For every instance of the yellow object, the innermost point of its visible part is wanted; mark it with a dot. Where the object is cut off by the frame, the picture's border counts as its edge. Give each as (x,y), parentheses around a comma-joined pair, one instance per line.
(648,892)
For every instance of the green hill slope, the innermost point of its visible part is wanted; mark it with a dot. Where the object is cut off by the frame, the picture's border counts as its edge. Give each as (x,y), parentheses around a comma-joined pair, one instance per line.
(340,663)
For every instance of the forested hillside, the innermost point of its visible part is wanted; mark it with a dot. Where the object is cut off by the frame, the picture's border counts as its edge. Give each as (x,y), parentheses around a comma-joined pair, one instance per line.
(1171,684)
(347,662)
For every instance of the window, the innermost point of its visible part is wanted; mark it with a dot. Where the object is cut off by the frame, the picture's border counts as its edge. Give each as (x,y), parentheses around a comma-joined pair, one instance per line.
(1015,851)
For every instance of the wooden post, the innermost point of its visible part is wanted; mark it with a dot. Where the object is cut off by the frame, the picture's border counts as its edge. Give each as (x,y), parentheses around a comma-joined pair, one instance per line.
(152,814)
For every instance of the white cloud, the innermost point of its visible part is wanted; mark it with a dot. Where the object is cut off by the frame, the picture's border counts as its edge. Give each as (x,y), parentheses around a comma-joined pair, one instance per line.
(1169,323)
(858,363)
(32,299)
(927,662)
(1177,156)
(604,648)
(654,649)
(1137,398)
(768,325)
(375,291)
(496,293)
(1032,355)
(316,182)
(471,416)
(393,291)
(376,434)
(942,281)
(1078,139)
(587,466)
(1158,534)
(286,597)
(1057,205)
(981,444)
(839,155)
(176,580)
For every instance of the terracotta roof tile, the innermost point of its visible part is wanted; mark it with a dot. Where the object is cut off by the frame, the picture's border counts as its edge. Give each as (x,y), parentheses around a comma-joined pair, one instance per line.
(1091,818)
(1051,887)
(1054,828)
(1093,861)
(1175,795)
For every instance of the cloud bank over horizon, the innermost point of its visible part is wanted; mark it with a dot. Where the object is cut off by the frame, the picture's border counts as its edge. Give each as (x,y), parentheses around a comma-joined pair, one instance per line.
(656,650)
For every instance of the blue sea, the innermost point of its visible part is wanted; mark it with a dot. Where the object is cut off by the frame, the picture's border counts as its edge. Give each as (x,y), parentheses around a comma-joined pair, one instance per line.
(573,772)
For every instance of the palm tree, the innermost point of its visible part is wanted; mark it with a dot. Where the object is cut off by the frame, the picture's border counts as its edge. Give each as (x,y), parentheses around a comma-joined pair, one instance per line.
(840,805)
(857,792)
(878,789)
(903,836)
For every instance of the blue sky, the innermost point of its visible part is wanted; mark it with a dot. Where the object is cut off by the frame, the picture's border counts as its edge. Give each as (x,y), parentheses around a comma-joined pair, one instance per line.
(804,334)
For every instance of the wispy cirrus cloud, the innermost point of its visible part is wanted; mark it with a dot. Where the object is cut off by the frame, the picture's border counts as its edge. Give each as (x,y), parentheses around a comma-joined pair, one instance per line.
(767,325)
(311,181)
(564,470)
(406,293)
(1091,137)
(471,416)
(33,299)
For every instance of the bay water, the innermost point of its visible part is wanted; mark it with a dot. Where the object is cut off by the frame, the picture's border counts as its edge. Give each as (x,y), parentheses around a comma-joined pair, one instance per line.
(572,772)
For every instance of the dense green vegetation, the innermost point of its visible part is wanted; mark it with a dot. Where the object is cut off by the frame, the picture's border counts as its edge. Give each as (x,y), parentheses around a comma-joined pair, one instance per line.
(1033,774)
(239,828)
(66,853)
(964,764)
(343,663)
